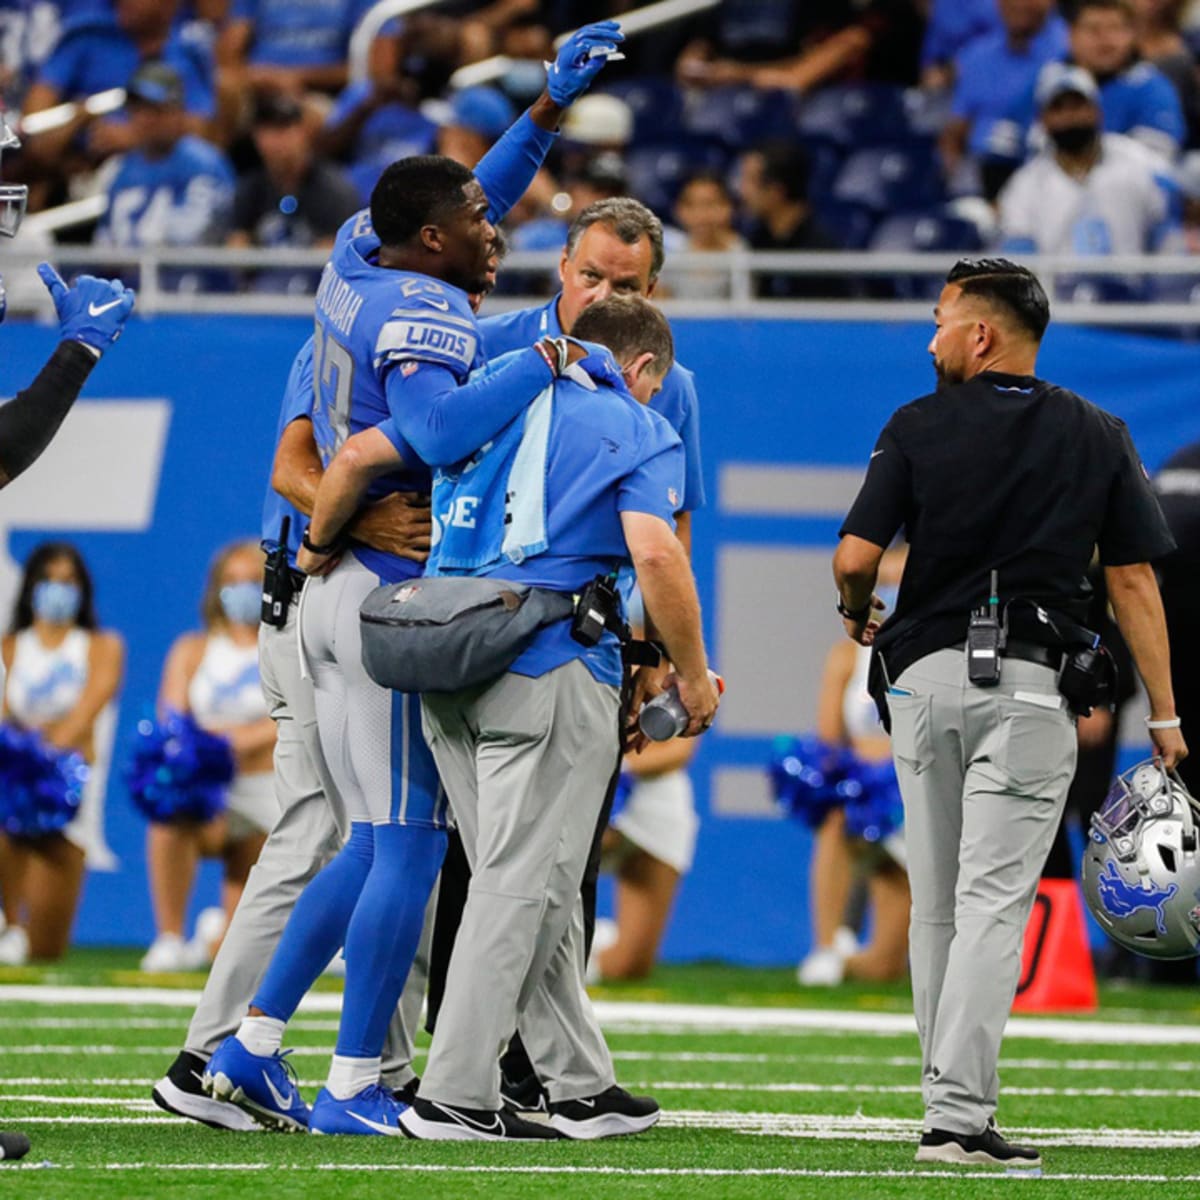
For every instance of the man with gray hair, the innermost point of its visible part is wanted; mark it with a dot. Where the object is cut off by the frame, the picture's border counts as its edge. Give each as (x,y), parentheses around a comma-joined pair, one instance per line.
(614,248)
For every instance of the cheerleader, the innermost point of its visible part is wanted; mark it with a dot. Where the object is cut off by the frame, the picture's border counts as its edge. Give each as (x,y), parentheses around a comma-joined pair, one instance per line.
(62,675)
(213,675)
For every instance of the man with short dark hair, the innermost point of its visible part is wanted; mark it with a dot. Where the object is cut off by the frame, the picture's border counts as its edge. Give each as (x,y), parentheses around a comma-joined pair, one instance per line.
(773,185)
(1005,485)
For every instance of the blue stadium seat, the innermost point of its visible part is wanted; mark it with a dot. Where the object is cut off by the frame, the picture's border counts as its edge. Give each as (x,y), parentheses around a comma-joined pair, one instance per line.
(867,114)
(656,105)
(850,225)
(891,178)
(657,171)
(737,116)
(926,232)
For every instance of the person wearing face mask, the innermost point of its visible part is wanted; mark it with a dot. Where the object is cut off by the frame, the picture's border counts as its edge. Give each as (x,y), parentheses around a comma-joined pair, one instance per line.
(846,716)
(1087,192)
(62,674)
(214,677)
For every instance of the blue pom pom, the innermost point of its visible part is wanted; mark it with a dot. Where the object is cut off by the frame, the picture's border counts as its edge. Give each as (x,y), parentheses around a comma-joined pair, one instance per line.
(40,786)
(878,811)
(809,777)
(177,771)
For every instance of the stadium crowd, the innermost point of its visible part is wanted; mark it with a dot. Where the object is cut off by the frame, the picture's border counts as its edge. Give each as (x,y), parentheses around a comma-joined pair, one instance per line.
(774,124)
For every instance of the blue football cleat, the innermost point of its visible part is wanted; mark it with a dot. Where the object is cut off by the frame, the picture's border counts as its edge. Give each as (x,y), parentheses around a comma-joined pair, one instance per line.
(374,1111)
(263,1085)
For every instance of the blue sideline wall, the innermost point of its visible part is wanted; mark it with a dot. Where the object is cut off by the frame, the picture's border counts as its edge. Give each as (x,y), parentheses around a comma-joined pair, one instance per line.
(169,455)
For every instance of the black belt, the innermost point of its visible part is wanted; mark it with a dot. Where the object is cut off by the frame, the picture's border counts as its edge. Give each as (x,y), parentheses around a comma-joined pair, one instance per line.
(1028,652)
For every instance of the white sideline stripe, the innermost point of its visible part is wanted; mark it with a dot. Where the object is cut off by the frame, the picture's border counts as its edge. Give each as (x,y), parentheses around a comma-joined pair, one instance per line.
(90,1101)
(902,1089)
(618,1014)
(179,1024)
(975,1175)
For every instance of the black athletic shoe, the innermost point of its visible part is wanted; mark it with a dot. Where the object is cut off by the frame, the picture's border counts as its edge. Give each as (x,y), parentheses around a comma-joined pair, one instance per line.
(408,1093)
(179,1092)
(525,1094)
(609,1114)
(13,1145)
(429,1121)
(986,1149)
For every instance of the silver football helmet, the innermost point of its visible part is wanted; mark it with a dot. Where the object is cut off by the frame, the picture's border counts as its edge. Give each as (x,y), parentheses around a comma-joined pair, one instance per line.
(12,195)
(1141,868)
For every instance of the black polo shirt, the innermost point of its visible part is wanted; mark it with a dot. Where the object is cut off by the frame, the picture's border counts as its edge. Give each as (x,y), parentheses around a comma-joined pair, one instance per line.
(1003,472)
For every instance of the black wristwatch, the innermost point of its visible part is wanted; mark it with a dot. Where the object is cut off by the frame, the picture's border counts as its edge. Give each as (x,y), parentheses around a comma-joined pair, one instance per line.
(853,614)
(313,549)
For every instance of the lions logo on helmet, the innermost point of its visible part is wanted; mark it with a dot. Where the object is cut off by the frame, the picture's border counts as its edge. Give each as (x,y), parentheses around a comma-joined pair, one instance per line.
(1141,867)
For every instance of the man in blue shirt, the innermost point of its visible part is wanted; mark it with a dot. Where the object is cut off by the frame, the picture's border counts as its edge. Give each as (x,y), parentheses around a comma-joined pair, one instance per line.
(993,71)
(172,188)
(1136,98)
(394,332)
(605,492)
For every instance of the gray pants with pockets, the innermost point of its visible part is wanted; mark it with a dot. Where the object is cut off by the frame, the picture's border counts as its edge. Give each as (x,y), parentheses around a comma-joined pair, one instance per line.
(984,773)
(311,828)
(525,763)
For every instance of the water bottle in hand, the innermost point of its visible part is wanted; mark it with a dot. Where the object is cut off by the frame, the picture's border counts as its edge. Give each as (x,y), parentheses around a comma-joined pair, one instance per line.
(664,717)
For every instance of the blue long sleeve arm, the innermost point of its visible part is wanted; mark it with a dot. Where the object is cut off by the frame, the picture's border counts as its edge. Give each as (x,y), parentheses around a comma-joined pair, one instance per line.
(507,169)
(444,421)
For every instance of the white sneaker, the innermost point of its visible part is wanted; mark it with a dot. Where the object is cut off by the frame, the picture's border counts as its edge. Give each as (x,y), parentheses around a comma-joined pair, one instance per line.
(210,925)
(604,936)
(822,968)
(14,947)
(168,952)
(845,943)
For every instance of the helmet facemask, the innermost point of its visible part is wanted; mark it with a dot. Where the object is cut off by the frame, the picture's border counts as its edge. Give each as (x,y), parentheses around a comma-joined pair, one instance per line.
(13,196)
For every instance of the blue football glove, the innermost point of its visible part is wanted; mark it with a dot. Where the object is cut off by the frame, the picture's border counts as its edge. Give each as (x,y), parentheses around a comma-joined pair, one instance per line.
(93,311)
(599,364)
(580,59)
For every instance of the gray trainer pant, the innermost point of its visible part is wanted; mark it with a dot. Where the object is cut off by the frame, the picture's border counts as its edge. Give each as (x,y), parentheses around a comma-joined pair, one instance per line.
(984,773)
(311,829)
(525,763)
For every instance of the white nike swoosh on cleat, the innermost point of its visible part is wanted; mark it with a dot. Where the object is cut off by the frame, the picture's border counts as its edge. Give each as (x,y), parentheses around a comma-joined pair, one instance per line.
(378,1126)
(95,310)
(280,1100)
(496,1126)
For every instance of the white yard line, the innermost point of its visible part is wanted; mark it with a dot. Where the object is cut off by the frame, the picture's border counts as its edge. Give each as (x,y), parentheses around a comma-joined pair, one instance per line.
(696,1018)
(899,1089)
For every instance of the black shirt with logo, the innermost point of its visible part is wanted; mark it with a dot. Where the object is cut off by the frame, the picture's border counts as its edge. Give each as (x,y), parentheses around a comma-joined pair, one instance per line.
(1007,473)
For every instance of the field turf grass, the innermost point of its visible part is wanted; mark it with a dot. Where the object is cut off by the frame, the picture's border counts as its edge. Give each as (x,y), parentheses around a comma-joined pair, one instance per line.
(794,1094)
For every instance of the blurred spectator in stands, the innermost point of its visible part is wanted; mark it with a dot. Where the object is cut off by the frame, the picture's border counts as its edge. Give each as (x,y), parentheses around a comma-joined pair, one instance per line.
(1135,97)
(472,123)
(773,186)
(294,198)
(1160,42)
(953,25)
(29,31)
(1189,186)
(171,188)
(705,211)
(792,44)
(288,45)
(102,52)
(992,74)
(373,123)
(1088,192)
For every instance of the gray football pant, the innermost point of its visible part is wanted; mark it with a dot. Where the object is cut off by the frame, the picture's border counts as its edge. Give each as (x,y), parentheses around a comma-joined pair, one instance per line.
(526,763)
(984,773)
(311,828)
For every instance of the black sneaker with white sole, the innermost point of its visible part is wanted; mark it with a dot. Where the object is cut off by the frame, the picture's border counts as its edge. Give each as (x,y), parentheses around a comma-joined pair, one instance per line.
(610,1113)
(13,1145)
(180,1092)
(986,1149)
(430,1121)
(525,1095)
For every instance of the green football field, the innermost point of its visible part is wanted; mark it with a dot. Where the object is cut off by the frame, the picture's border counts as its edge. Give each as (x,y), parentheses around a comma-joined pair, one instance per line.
(766,1091)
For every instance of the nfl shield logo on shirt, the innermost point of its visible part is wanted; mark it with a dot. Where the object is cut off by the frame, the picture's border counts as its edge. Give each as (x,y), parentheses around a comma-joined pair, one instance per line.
(673,497)
(406,593)
(409,368)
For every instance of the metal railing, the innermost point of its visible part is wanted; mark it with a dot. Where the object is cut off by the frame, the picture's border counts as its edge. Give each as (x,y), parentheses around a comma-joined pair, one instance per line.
(175,281)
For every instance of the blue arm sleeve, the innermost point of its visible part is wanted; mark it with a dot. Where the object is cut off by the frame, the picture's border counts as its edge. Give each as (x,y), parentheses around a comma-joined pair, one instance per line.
(508,168)
(444,422)
(689,433)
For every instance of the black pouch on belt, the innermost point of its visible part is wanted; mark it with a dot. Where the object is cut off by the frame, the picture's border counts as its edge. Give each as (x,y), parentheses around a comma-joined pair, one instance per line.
(279,585)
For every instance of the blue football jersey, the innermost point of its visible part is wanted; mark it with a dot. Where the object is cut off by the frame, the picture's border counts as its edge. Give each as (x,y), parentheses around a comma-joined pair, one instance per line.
(369,320)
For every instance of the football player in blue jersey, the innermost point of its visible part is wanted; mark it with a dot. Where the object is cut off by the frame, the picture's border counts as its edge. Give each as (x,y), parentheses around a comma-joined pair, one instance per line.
(395,333)
(91,315)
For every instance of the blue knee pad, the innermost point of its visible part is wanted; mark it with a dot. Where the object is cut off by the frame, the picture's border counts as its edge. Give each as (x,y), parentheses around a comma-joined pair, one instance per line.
(316,929)
(384,933)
